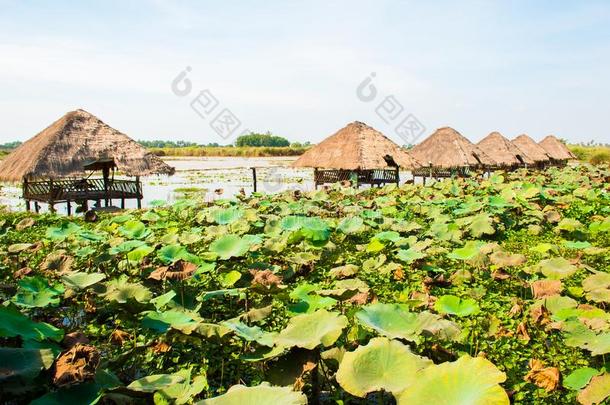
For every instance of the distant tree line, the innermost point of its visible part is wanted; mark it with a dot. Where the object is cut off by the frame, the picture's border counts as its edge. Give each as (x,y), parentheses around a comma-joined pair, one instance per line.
(249,140)
(10,145)
(254,139)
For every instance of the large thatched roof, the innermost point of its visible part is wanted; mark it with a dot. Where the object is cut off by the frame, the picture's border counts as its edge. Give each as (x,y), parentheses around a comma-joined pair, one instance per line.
(75,139)
(503,151)
(556,149)
(356,146)
(531,148)
(447,148)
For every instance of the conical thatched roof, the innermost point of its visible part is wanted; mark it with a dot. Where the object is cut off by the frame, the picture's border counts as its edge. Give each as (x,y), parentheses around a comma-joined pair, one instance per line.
(447,148)
(531,148)
(556,149)
(356,146)
(75,139)
(503,151)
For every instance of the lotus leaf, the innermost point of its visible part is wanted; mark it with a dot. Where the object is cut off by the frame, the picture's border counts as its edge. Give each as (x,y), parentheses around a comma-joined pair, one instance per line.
(14,323)
(121,290)
(470,250)
(226,216)
(556,268)
(155,382)
(134,230)
(310,330)
(24,363)
(391,320)
(450,304)
(382,364)
(351,225)
(250,333)
(35,292)
(229,246)
(467,381)
(81,280)
(597,390)
(162,321)
(597,287)
(263,394)
(481,224)
(579,378)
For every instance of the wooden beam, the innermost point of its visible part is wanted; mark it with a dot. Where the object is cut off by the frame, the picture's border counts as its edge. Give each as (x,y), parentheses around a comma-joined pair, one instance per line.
(254,178)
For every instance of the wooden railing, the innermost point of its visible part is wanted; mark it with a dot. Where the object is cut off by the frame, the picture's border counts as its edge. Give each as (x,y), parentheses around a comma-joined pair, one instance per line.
(71,189)
(374,176)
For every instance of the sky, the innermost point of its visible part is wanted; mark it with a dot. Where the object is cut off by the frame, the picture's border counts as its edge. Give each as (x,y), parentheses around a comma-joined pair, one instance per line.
(299,69)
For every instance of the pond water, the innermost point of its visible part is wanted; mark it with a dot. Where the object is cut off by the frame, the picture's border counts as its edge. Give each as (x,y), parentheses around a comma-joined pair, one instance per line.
(207,178)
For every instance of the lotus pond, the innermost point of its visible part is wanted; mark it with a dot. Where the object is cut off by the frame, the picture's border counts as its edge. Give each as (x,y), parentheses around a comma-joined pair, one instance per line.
(461,292)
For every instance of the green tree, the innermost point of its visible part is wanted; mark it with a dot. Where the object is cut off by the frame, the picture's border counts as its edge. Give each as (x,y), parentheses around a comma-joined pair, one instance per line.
(254,139)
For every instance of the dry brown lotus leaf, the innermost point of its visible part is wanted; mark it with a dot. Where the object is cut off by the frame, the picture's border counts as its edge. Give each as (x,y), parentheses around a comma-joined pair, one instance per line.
(399,274)
(22,272)
(597,390)
(76,365)
(161,347)
(546,288)
(515,310)
(25,223)
(72,339)
(118,337)
(539,314)
(359,298)
(90,307)
(265,278)
(500,275)
(554,326)
(522,332)
(543,377)
(503,332)
(505,259)
(181,270)
(58,262)
(552,216)
(596,324)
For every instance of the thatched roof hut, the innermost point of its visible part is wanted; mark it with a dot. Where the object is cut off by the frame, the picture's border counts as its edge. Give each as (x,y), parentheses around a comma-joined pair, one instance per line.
(503,151)
(532,150)
(74,140)
(446,148)
(356,147)
(556,149)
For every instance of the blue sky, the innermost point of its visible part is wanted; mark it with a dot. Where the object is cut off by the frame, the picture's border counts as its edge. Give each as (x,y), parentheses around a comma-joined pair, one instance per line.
(292,68)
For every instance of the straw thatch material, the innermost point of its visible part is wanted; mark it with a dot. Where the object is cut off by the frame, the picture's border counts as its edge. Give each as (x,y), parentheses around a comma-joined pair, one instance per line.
(356,147)
(503,151)
(447,148)
(78,137)
(531,148)
(556,149)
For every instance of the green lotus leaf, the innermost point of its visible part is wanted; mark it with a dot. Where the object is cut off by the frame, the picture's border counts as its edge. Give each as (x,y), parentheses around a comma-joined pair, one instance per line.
(14,323)
(172,253)
(556,268)
(450,304)
(557,303)
(308,302)
(80,280)
(229,246)
(84,393)
(578,335)
(182,393)
(250,333)
(471,381)
(62,232)
(24,363)
(121,290)
(150,216)
(162,321)
(155,382)
(597,287)
(310,330)
(139,253)
(570,244)
(391,320)
(126,247)
(569,225)
(579,378)
(315,229)
(230,278)
(382,364)
(36,292)
(134,230)
(263,394)
(343,271)
(470,250)
(482,224)
(351,225)
(597,390)
(433,324)
(544,248)
(226,216)
(409,255)
(162,300)
(389,236)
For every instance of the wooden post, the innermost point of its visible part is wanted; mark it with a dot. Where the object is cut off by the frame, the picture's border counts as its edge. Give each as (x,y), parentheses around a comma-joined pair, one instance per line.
(315,178)
(430,163)
(254,178)
(69,207)
(27,205)
(397,176)
(36,207)
(139,187)
(123,203)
